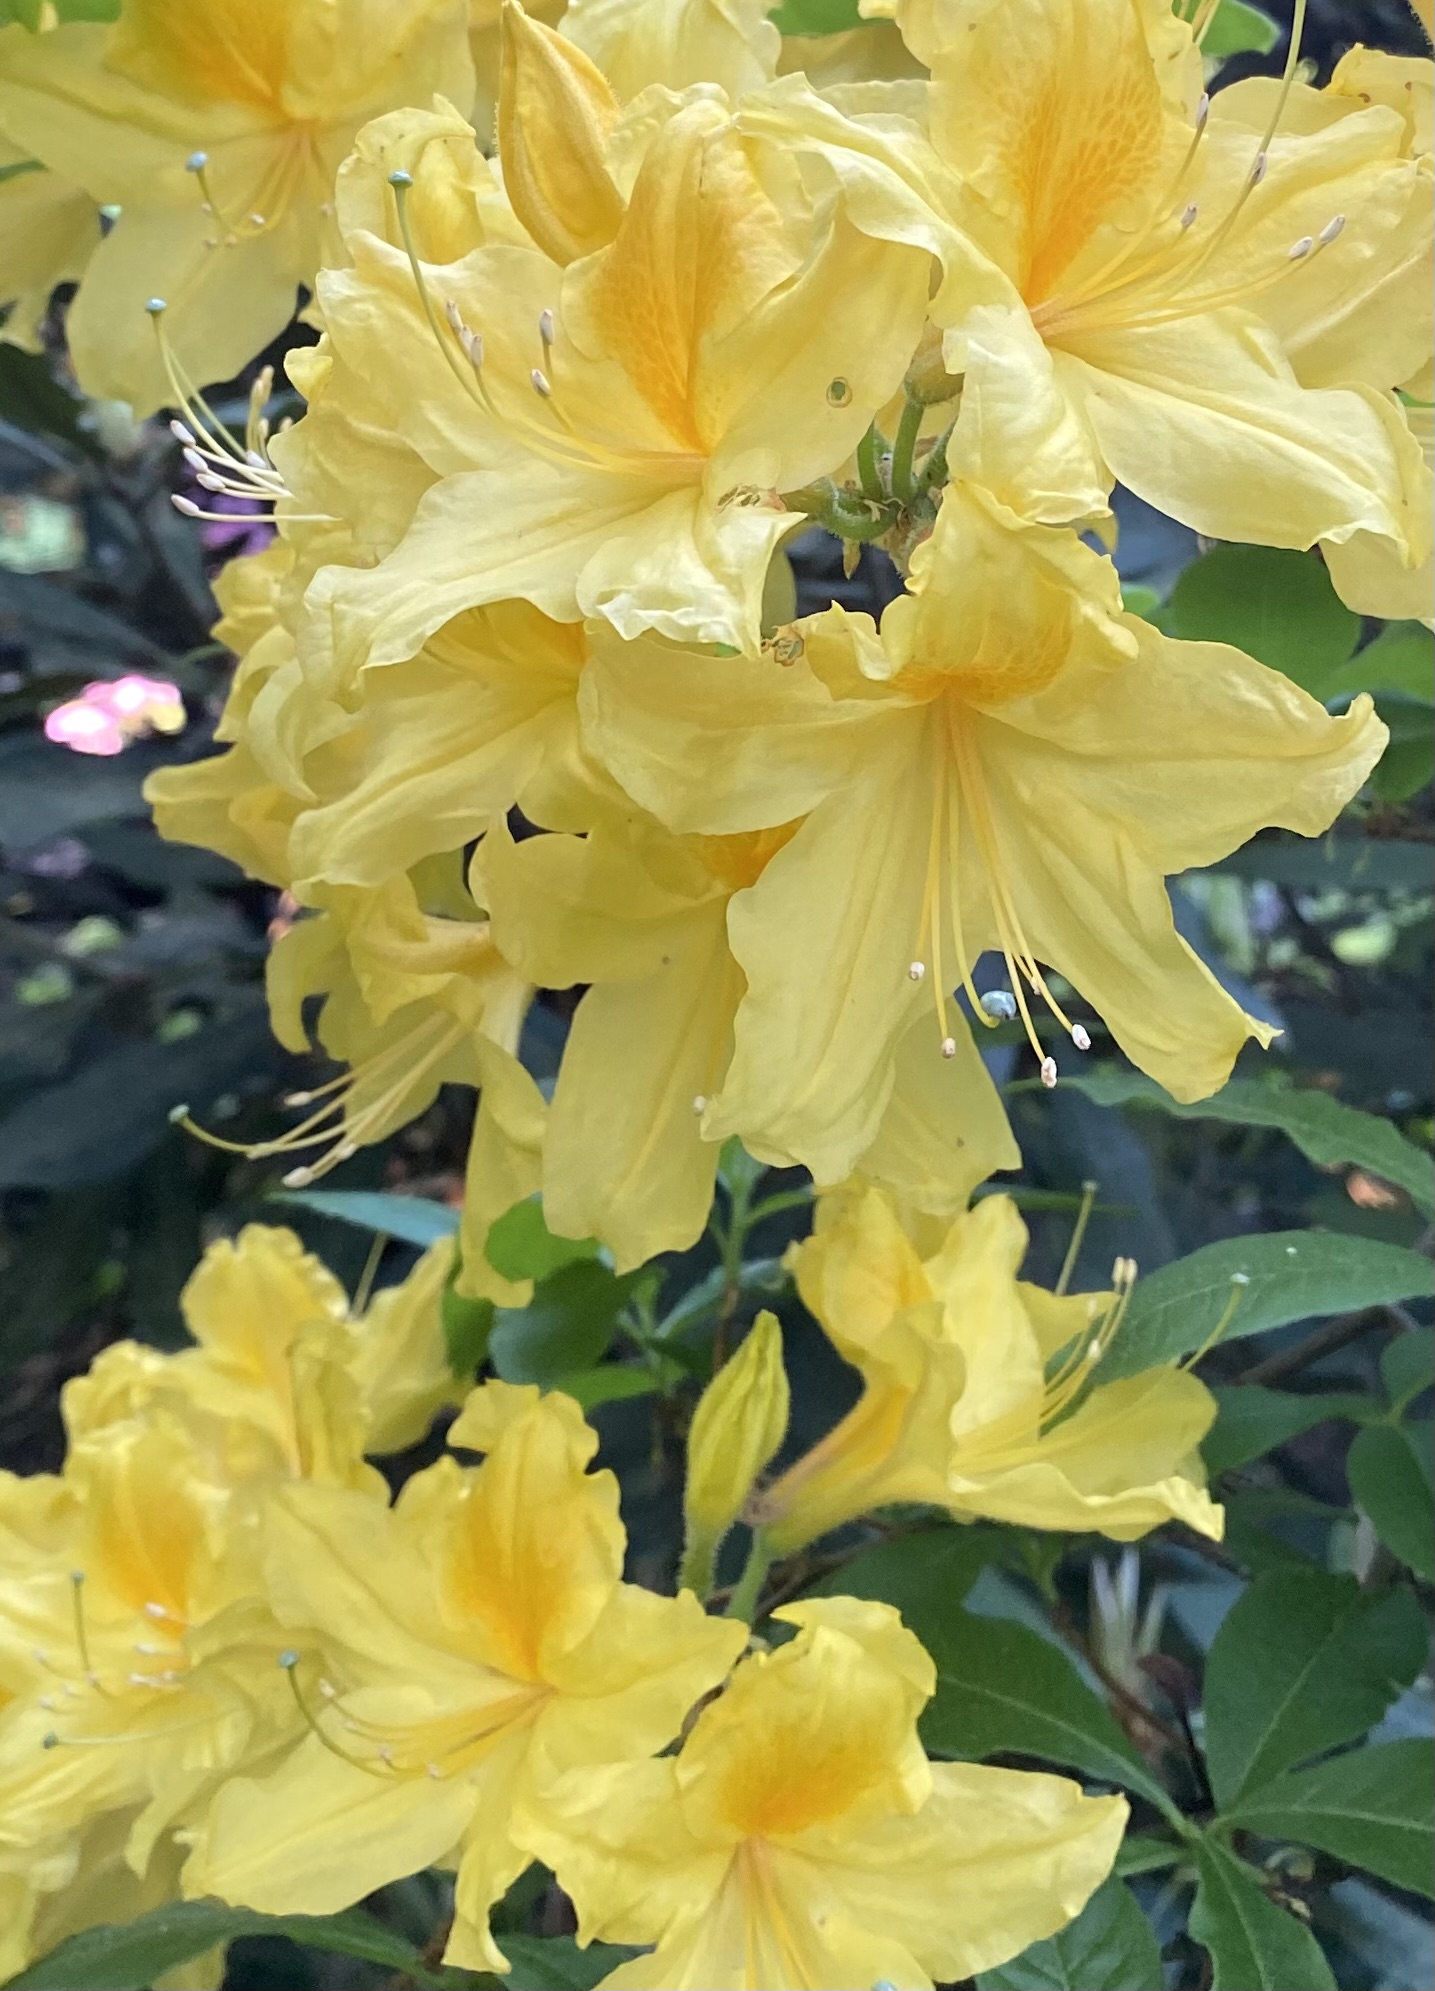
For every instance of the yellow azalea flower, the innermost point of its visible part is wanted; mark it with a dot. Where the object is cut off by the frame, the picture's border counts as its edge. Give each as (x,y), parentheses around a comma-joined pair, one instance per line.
(48,230)
(1118,256)
(147,1646)
(610,436)
(1013,764)
(958,1409)
(802,1839)
(282,1354)
(476,1638)
(635,43)
(630,1153)
(216,126)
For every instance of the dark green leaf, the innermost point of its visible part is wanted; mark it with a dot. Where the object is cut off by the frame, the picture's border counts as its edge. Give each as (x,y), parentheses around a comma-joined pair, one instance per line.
(1341,863)
(612,1382)
(467,1325)
(816,17)
(1109,1947)
(916,1574)
(1254,1945)
(1407,1366)
(1406,766)
(1291,1275)
(411,1219)
(1003,1688)
(1372,1807)
(1276,605)
(1302,1663)
(521,1246)
(1238,27)
(1321,1127)
(128,1957)
(1252,1421)
(568,1325)
(1390,1477)
(555,1963)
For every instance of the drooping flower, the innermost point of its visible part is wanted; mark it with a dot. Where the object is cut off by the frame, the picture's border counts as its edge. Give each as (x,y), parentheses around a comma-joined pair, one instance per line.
(1015,764)
(960,1408)
(476,1638)
(802,1839)
(216,128)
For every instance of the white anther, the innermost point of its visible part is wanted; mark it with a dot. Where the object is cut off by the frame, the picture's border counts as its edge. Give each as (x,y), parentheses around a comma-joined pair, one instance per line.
(546,327)
(193,458)
(346,1150)
(182,434)
(916,971)
(1000,1003)
(453,315)
(1331,229)
(153,1610)
(328,1690)
(1240,1278)
(298,1178)
(433,1770)
(148,1651)
(1203,110)
(208,481)
(1093,1348)
(1048,1072)
(1258,170)
(1298,251)
(297,1098)
(255,460)
(949,1047)
(541,383)
(700,1104)
(1189,213)
(258,221)
(185,505)
(1081,1036)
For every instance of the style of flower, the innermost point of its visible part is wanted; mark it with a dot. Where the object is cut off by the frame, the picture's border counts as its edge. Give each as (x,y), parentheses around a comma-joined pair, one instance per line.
(801,1838)
(476,1638)
(961,1407)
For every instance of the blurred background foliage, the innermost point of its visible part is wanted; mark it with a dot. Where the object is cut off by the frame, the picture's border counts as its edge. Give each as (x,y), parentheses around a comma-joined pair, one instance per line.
(131,980)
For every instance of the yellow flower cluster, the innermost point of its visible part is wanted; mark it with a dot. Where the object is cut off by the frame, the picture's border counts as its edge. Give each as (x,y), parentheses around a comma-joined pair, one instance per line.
(523,701)
(229,1665)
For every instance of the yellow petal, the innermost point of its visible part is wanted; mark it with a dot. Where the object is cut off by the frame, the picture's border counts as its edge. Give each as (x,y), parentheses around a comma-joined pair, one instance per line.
(555,112)
(676,42)
(944,1130)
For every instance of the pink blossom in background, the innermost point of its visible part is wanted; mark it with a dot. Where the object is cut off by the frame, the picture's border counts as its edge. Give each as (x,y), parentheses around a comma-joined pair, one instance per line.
(110,712)
(251,530)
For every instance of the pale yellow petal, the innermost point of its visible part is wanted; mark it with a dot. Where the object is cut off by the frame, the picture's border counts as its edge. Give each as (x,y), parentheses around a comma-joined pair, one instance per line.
(676,42)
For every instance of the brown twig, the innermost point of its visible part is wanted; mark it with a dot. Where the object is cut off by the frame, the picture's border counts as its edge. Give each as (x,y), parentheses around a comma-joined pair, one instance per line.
(1325,1341)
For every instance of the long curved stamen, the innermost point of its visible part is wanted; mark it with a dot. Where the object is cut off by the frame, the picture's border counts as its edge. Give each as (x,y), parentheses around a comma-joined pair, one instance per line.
(335,1126)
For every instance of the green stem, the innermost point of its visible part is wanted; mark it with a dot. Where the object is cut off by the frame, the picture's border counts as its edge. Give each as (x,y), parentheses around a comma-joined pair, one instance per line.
(787,1199)
(934,470)
(743,1601)
(904,449)
(869,452)
(696,1570)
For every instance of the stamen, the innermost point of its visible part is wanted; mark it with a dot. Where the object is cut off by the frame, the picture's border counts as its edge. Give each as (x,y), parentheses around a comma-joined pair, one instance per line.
(700,1104)
(916,971)
(1081,1036)
(949,1047)
(289,1664)
(1048,1073)
(541,385)
(1239,1283)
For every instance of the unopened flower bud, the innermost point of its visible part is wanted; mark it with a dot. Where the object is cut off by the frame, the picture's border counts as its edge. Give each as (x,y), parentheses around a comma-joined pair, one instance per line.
(738,1425)
(927,378)
(555,111)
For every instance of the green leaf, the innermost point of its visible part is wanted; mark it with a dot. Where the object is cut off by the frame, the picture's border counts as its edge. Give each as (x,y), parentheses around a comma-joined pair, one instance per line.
(613,1382)
(409,1218)
(1339,863)
(1254,1945)
(467,1325)
(1291,1276)
(1278,606)
(1391,1476)
(1252,1421)
(129,1957)
(1372,1808)
(568,1325)
(916,1574)
(1407,1366)
(1302,1663)
(1109,1947)
(555,1963)
(1406,766)
(521,1246)
(1141,1854)
(1238,27)
(1001,1687)
(1401,659)
(1321,1127)
(816,17)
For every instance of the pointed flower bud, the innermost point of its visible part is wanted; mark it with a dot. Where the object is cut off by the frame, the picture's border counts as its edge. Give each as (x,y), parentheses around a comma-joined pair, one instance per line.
(555,111)
(737,1427)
